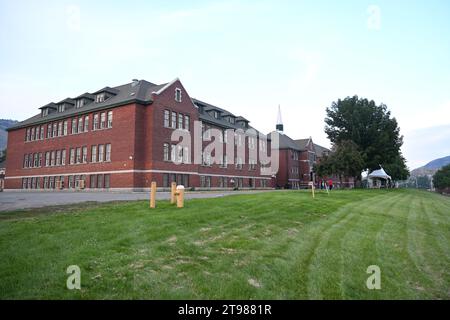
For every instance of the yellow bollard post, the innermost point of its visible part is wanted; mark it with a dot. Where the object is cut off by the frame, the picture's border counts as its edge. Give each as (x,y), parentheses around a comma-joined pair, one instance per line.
(173,189)
(180,196)
(153,195)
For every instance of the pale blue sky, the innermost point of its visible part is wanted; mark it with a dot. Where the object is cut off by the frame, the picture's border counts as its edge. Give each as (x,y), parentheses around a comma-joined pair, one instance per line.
(246,56)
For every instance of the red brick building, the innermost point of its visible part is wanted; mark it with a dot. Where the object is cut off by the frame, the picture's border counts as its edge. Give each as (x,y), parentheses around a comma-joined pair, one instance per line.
(120,138)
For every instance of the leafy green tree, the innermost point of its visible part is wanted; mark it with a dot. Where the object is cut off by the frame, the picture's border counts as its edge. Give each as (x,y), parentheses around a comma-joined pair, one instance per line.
(441,178)
(345,160)
(372,129)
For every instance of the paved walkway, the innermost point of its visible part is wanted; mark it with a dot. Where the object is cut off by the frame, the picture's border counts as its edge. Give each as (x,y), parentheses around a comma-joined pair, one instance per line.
(10,201)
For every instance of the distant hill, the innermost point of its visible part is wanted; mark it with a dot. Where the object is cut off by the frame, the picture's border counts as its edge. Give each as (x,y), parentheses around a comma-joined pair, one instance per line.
(431,167)
(5,124)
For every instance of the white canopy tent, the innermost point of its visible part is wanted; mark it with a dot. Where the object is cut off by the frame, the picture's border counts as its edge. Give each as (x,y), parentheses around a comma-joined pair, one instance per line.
(378,179)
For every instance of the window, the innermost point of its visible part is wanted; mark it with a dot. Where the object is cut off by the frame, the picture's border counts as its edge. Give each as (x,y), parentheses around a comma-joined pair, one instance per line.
(86,123)
(72,156)
(110,118)
(32,134)
(93,181)
(180,154)
(215,114)
(173,152)
(95,126)
(94,154)
(47,158)
(74,126)
(58,157)
(206,131)
(186,155)
(40,160)
(165,180)
(42,132)
(60,129)
(80,103)
(78,157)
(101,152)
(107,179)
(71,182)
(102,120)
(25,161)
(65,127)
(36,160)
(37,133)
(99,181)
(166,118)
(55,130)
(80,125)
(166,152)
(231,120)
(44,112)
(174,120)
(27,135)
(52,161)
(45,182)
(61,107)
(108,152)
(186,122)
(180,121)
(178,95)
(49,131)
(100,97)
(63,157)
(84,154)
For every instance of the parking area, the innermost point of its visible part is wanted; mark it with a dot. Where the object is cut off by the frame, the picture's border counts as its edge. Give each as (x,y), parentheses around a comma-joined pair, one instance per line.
(10,201)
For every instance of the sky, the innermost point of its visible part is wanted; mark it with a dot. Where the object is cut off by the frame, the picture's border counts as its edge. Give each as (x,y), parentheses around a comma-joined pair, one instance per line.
(245,56)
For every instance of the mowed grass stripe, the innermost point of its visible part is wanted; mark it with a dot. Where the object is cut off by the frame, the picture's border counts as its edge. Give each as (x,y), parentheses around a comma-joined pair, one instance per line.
(279,245)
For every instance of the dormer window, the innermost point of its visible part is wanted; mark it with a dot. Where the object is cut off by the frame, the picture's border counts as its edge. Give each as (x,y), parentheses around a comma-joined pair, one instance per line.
(216,114)
(44,112)
(61,107)
(100,97)
(80,103)
(178,95)
(231,120)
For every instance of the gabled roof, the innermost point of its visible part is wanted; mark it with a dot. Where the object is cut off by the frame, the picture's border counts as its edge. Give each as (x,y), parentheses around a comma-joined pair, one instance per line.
(303,143)
(50,105)
(86,95)
(107,89)
(67,100)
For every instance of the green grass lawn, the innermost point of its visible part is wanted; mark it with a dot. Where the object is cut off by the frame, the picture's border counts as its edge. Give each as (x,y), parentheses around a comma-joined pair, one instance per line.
(277,245)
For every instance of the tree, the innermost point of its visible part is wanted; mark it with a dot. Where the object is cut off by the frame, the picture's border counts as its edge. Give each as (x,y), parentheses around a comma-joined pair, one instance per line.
(345,160)
(441,178)
(372,129)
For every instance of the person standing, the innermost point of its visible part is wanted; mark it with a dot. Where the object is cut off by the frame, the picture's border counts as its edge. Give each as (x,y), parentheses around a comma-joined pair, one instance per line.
(330,184)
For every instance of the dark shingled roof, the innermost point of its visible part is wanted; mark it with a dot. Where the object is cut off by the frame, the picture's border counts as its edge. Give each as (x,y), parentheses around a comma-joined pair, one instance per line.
(302,143)
(285,142)
(127,93)
(320,151)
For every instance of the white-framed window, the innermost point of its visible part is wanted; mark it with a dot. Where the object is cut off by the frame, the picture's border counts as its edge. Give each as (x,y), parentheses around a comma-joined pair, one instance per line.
(55,129)
(180,121)
(47,159)
(110,119)
(86,123)
(61,107)
(74,126)
(95,125)
(65,127)
(58,157)
(60,129)
(42,132)
(108,152)
(80,124)
(84,154)
(186,122)
(178,95)
(103,120)
(174,120)
(79,103)
(25,161)
(40,160)
(94,153)
(52,158)
(78,156)
(166,152)
(63,157)
(100,97)
(101,152)
(186,155)
(72,156)
(37,133)
(167,118)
